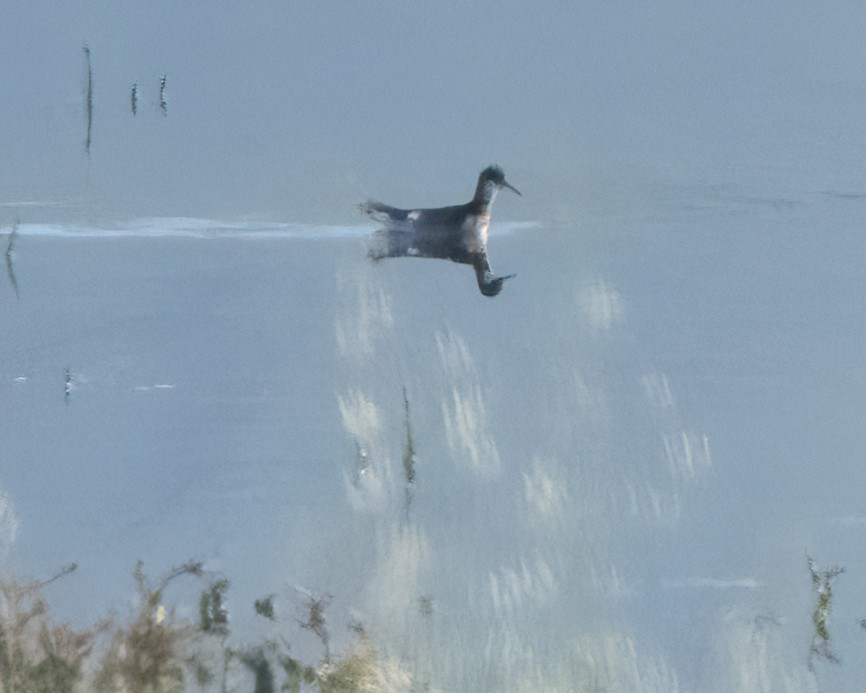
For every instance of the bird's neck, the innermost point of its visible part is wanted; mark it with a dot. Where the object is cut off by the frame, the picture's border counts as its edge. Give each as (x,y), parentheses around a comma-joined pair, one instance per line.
(485,193)
(482,269)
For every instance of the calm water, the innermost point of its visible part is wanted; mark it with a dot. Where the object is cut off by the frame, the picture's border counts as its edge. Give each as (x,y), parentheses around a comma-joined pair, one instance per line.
(620,464)
(619,467)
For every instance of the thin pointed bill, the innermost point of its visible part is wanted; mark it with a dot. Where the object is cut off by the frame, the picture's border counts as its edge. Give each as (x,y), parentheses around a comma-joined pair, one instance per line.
(508,185)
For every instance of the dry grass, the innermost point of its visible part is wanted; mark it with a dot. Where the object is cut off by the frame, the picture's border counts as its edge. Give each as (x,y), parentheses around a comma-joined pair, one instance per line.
(36,655)
(151,650)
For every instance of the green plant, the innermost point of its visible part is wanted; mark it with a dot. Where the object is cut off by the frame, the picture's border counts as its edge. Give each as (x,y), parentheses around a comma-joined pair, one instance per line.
(822,579)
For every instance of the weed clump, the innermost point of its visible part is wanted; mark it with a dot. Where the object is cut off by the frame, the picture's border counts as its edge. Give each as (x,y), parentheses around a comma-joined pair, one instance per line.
(822,579)
(155,651)
(36,655)
(149,653)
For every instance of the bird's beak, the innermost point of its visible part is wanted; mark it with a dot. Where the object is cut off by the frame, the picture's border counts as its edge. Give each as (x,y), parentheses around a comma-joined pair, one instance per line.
(508,185)
(511,187)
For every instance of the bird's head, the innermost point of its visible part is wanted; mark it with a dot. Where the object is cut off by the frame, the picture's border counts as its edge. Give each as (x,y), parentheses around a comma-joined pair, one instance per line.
(491,285)
(494,174)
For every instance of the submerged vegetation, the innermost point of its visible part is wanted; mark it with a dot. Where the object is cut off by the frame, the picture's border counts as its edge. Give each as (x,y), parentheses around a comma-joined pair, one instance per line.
(68,385)
(88,102)
(316,621)
(133,98)
(408,454)
(822,581)
(153,650)
(163,98)
(10,258)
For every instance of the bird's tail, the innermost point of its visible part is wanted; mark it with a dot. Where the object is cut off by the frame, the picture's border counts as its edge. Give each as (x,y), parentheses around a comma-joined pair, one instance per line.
(386,215)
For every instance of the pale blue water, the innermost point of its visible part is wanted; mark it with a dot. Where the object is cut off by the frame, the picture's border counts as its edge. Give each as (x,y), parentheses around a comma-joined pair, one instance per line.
(621,462)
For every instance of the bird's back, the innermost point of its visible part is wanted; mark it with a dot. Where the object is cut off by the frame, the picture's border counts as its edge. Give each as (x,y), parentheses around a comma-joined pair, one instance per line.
(396,218)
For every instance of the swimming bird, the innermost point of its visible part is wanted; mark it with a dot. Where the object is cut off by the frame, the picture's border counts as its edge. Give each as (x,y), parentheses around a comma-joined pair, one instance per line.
(457,233)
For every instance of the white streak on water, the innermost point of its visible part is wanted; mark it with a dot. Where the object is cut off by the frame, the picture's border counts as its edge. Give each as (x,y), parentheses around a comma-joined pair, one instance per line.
(514,588)
(613,662)
(366,486)
(158,386)
(368,315)
(193,227)
(658,390)
(467,429)
(396,582)
(546,491)
(687,454)
(603,307)
(360,415)
(712,583)
(8,524)
(15,204)
(758,659)
(849,521)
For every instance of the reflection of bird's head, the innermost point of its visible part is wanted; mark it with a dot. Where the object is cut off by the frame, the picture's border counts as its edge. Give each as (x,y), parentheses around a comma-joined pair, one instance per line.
(496,175)
(491,285)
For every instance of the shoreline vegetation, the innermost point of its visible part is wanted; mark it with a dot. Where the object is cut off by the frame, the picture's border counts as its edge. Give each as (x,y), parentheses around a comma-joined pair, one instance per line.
(151,649)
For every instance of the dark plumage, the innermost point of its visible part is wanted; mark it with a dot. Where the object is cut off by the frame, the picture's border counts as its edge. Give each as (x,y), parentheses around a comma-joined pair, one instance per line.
(457,233)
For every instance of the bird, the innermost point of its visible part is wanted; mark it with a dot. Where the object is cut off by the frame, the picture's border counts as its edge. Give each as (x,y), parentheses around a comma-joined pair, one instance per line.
(457,233)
